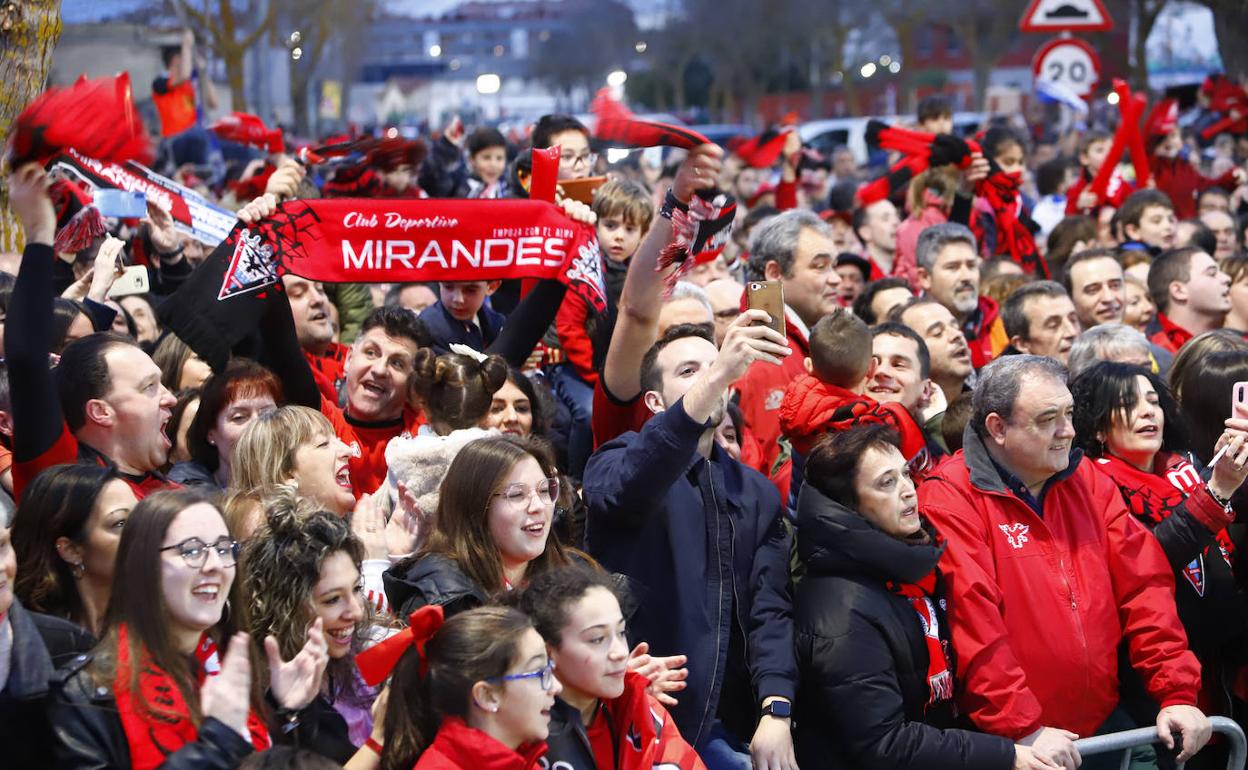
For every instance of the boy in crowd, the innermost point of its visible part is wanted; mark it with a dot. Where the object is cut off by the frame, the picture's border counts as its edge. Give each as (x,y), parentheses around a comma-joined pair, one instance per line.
(1146,221)
(1080,199)
(624,213)
(461,315)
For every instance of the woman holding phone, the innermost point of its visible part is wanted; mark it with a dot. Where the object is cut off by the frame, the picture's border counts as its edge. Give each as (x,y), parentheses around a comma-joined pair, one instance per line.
(1126,420)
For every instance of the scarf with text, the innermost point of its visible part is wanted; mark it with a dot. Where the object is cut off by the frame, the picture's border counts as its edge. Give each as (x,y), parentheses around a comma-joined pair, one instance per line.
(165,725)
(939,662)
(1154,497)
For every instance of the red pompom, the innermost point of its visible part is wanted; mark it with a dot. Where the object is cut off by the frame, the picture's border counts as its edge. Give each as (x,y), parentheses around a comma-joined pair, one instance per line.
(95,117)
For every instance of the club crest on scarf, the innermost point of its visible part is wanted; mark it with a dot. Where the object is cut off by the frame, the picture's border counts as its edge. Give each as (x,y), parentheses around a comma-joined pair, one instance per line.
(251,268)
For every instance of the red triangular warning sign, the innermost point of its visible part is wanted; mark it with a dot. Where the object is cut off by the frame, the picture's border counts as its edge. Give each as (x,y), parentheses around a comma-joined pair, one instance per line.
(1066,16)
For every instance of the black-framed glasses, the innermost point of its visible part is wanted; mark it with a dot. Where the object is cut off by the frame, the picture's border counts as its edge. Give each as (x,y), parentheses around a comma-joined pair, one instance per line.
(545,675)
(195,551)
(518,495)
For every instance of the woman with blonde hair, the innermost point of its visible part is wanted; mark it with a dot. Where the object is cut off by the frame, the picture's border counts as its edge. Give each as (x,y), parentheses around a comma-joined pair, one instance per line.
(294,445)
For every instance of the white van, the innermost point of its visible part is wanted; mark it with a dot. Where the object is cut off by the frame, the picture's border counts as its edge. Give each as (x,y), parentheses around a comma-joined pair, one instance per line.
(826,135)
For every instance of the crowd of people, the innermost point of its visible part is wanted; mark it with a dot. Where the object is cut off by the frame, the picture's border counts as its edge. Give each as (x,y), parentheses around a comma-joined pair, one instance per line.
(971,498)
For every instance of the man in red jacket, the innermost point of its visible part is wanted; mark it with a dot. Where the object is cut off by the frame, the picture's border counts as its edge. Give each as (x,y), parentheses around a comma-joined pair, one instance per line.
(796,249)
(1048,574)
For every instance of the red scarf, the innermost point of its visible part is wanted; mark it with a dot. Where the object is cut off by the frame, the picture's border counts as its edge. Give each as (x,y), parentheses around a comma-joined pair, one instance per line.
(154,735)
(1153,497)
(1014,238)
(356,240)
(1128,137)
(939,662)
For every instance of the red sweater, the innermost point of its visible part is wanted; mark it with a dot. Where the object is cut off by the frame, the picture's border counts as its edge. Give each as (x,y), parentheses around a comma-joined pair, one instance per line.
(368,440)
(1170,336)
(813,408)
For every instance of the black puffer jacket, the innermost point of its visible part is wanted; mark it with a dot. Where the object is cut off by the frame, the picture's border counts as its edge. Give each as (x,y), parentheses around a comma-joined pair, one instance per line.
(862,657)
(431,579)
(89,734)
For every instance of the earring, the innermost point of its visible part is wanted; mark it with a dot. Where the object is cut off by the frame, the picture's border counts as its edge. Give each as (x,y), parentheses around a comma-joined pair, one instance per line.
(494,710)
(78,569)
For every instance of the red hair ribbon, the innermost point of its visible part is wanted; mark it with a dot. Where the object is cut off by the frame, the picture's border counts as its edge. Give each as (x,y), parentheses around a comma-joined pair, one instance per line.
(378,661)
(1128,137)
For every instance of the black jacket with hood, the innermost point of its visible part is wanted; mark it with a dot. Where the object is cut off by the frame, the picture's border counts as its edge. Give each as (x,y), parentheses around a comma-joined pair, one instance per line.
(862,655)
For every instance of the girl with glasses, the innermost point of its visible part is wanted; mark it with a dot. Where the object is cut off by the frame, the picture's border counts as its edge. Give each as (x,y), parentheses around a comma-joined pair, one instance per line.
(494,516)
(156,692)
(604,707)
(303,565)
(475,692)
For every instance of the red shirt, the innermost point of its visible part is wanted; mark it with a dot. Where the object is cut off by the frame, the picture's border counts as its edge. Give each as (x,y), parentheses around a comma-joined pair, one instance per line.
(612,417)
(175,105)
(1170,336)
(68,451)
(460,747)
(328,369)
(368,440)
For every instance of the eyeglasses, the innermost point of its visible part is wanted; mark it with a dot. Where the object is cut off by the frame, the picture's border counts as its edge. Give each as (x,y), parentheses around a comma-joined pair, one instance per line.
(519,495)
(195,551)
(545,675)
(587,158)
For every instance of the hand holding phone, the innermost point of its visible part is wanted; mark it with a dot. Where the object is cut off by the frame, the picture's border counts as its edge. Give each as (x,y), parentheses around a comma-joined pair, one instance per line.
(768,296)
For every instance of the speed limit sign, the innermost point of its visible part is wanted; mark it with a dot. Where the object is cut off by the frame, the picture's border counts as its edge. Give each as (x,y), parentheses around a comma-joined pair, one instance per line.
(1069,62)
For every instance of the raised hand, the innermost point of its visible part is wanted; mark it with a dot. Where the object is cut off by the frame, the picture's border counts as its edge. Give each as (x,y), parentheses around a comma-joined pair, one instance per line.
(297,681)
(699,171)
(226,697)
(30,201)
(667,675)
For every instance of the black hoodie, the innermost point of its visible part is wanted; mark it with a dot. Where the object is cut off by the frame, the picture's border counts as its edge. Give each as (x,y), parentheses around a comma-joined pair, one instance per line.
(861,653)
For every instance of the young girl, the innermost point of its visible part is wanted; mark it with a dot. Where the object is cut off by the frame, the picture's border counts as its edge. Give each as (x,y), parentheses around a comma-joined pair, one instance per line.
(156,693)
(494,516)
(604,712)
(475,692)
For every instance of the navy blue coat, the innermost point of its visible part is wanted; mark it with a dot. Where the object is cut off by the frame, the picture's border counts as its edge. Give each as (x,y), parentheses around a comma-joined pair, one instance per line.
(446,329)
(691,535)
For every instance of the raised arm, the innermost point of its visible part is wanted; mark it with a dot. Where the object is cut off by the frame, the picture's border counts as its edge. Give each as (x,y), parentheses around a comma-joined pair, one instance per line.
(636,327)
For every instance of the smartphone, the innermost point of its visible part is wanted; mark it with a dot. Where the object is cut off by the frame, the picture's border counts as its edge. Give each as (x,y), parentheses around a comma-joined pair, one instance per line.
(132,281)
(767,296)
(121,204)
(582,189)
(1239,401)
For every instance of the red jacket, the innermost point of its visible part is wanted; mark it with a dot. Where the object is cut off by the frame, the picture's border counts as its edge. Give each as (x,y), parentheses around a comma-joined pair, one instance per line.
(1039,605)
(762,392)
(1168,335)
(1115,193)
(460,747)
(631,732)
(1180,180)
(572,324)
(812,408)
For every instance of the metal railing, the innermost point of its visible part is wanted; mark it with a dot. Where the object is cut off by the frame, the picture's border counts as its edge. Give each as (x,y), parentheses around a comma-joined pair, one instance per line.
(1146,736)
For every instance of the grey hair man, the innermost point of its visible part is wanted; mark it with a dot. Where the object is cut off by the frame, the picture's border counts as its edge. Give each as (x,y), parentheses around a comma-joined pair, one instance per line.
(1109,342)
(1041,546)
(796,249)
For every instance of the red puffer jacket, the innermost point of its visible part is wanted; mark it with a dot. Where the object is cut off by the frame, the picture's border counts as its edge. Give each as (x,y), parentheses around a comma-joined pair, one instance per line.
(1038,605)
(812,408)
(460,747)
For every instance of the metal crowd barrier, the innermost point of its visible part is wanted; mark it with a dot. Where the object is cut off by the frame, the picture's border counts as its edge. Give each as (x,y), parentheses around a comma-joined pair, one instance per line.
(1145,736)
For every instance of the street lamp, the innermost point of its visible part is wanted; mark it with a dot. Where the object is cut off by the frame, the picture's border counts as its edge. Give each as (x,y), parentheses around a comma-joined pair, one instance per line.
(868,69)
(488,83)
(435,51)
(617,78)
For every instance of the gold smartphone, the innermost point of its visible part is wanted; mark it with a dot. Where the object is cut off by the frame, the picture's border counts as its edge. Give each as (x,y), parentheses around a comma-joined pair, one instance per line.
(582,189)
(767,296)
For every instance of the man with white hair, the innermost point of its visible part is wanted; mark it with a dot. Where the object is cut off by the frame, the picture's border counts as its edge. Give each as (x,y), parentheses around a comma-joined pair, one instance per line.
(948,268)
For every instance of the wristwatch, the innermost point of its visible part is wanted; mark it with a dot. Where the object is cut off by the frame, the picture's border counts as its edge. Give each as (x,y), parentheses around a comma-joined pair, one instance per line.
(780,709)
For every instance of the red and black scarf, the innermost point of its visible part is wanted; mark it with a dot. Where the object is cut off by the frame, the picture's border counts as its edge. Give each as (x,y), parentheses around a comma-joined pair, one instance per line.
(1153,497)
(1015,236)
(165,726)
(939,660)
(921,151)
